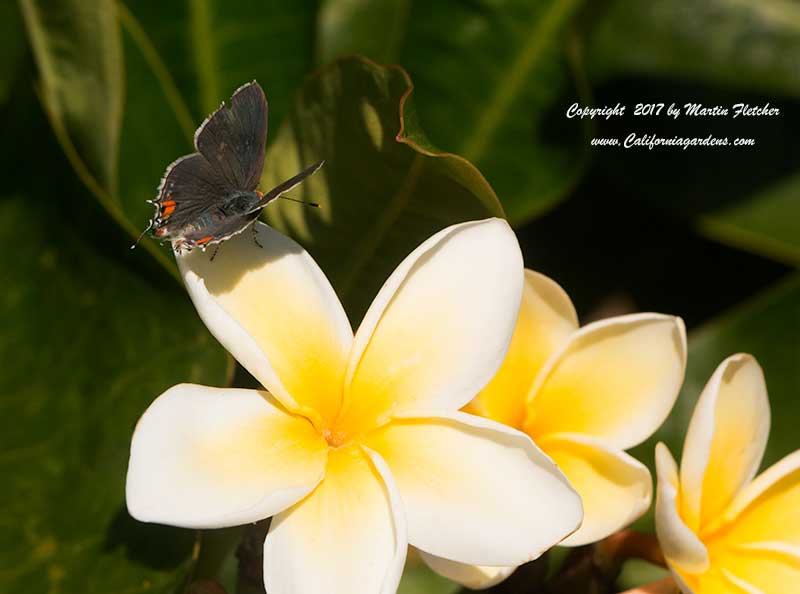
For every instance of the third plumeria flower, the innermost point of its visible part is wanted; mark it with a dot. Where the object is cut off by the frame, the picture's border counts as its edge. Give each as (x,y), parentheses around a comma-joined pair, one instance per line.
(584,395)
(359,447)
(720,529)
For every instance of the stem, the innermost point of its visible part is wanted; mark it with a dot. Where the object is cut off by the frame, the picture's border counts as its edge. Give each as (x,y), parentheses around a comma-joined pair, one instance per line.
(629,544)
(663,586)
(250,554)
(527,579)
(216,547)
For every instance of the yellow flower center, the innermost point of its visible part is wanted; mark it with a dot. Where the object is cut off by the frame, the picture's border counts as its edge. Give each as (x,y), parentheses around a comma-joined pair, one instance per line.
(336,437)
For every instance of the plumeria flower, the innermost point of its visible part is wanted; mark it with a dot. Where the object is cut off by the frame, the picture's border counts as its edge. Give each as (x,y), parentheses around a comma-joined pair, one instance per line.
(721,530)
(584,396)
(357,446)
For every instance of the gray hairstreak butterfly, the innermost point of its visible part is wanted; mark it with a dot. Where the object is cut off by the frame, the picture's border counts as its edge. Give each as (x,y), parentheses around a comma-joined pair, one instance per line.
(209,196)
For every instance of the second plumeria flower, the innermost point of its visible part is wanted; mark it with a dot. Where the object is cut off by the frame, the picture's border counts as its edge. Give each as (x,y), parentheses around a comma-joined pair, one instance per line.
(586,395)
(358,448)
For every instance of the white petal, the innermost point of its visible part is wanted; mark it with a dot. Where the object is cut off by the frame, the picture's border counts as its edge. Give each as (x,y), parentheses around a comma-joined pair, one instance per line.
(209,458)
(347,537)
(681,547)
(476,491)
(277,314)
(440,326)
(474,577)
(614,487)
(725,441)
(616,379)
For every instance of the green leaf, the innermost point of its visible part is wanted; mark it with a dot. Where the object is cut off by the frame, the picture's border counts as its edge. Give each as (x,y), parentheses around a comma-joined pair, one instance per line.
(418,578)
(78,50)
(349,26)
(211,47)
(493,89)
(382,190)
(745,45)
(635,573)
(87,345)
(767,223)
(12,47)
(767,328)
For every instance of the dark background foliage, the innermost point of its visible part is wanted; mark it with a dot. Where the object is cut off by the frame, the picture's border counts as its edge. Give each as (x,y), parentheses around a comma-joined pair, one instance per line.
(98,96)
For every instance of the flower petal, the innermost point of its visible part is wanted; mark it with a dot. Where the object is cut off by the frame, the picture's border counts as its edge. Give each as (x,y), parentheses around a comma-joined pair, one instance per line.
(616,379)
(209,458)
(757,543)
(747,575)
(476,491)
(474,577)
(440,327)
(766,514)
(686,583)
(615,488)
(726,440)
(273,309)
(546,319)
(681,547)
(347,536)
(727,581)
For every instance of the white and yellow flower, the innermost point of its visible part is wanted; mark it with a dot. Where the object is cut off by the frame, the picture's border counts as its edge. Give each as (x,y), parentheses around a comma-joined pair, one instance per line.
(584,395)
(721,530)
(358,447)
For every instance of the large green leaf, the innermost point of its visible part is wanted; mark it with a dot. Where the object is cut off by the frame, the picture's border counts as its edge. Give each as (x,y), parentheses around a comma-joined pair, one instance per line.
(382,190)
(79,53)
(211,47)
(491,80)
(746,45)
(86,345)
(766,223)
(766,327)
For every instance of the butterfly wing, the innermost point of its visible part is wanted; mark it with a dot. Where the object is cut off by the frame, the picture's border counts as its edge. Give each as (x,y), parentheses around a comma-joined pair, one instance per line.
(190,187)
(232,138)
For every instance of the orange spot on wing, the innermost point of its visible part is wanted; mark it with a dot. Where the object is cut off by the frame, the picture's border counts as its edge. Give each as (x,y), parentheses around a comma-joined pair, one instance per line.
(204,240)
(260,194)
(167,207)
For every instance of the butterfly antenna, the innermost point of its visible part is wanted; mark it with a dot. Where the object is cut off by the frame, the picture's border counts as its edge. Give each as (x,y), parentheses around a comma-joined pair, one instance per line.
(149,226)
(312,204)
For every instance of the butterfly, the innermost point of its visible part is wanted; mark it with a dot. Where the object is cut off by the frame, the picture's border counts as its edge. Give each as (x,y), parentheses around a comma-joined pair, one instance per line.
(209,196)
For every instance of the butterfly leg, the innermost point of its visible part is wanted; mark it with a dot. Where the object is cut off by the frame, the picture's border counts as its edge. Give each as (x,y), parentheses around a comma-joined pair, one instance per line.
(255,235)
(214,255)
